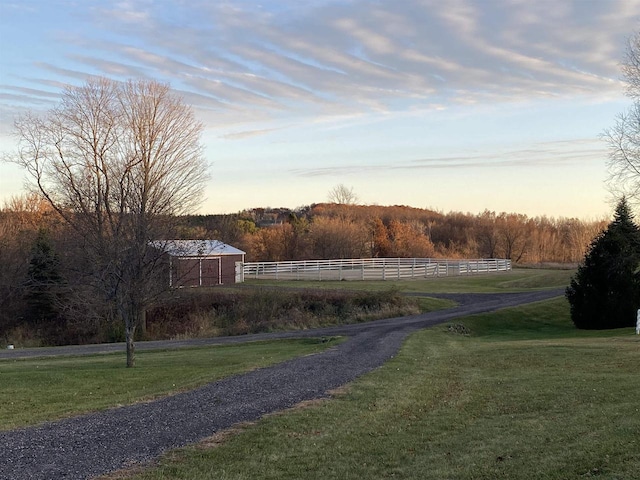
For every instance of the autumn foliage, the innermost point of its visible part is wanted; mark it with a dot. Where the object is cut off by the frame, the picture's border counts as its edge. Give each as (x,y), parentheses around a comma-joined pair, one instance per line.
(35,244)
(326,231)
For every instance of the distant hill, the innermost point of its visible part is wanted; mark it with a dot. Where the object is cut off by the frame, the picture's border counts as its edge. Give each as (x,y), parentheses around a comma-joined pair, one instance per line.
(338,230)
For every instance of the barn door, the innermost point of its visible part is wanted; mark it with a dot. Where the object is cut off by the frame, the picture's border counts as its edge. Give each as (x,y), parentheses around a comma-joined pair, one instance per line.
(187,272)
(210,272)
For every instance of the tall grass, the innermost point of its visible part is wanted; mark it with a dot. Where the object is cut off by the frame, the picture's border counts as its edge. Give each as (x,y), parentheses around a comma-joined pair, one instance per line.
(255,310)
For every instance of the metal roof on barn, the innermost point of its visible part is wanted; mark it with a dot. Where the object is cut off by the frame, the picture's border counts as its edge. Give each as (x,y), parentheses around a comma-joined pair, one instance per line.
(196,248)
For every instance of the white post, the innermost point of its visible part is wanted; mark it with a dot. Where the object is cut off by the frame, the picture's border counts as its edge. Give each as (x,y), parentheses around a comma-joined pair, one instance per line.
(638,323)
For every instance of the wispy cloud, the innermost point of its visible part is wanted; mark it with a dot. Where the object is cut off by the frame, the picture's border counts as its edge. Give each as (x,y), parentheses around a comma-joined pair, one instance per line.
(319,58)
(543,154)
(248,133)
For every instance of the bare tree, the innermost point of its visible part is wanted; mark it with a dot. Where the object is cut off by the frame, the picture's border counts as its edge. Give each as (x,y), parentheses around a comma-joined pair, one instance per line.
(343,195)
(338,238)
(624,137)
(117,161)
(514,235)
(487,234)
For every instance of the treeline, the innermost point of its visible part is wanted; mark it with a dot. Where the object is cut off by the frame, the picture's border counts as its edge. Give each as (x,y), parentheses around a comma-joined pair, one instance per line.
(45,280)
(44,290)
(325,231)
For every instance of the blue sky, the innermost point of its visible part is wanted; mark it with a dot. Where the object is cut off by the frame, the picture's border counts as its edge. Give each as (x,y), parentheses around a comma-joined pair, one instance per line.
(458,105)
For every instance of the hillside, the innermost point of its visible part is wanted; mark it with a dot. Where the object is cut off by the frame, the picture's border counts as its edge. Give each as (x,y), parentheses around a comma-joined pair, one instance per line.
(329,230)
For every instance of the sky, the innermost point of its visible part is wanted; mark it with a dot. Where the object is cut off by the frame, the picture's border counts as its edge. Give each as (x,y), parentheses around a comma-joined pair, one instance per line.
(457,105)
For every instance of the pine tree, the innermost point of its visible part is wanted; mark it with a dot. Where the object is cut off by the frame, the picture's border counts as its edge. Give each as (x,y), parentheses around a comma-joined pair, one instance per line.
(43,281)
(605,292)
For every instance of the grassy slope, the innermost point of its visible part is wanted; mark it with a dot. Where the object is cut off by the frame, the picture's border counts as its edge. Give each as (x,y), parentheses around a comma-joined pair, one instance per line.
(35,390)
(524,396)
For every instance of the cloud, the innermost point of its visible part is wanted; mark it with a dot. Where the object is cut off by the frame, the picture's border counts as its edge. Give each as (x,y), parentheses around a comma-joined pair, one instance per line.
(248,133)
(31,92)
(132,12)
(537,155)
(64,72)
(316,59)
(110,68)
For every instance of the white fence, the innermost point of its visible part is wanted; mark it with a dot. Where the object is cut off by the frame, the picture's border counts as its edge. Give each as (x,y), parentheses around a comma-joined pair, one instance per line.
(372,268)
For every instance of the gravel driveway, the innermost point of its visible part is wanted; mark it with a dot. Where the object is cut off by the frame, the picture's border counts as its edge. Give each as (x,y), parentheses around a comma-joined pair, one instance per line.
(94,444)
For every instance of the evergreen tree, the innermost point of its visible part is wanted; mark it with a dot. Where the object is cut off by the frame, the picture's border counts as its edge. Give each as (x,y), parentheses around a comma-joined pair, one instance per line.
(43,281)
(605,292)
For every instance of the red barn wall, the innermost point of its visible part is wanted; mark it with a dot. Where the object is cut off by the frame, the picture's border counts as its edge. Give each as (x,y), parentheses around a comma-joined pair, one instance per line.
(204,271)
(187,272)
(228,270)
(210,271)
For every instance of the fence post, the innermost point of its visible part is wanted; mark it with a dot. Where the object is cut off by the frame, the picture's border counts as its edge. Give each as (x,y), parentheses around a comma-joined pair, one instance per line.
(239,272)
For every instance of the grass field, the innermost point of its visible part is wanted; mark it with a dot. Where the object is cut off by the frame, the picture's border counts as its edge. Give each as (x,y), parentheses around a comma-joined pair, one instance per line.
(516,280)
(35,390)
(523,396)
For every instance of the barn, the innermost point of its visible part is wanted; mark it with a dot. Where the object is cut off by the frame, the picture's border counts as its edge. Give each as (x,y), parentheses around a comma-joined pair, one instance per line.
(202,263)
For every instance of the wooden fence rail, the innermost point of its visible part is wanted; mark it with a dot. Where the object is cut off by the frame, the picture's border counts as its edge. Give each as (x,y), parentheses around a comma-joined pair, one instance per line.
(371,268)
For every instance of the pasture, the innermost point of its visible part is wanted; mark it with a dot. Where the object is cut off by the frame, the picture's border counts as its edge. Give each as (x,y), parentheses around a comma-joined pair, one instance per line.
(516,280)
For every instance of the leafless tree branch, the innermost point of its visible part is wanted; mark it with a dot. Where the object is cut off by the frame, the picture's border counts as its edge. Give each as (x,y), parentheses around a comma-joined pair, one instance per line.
(117,161)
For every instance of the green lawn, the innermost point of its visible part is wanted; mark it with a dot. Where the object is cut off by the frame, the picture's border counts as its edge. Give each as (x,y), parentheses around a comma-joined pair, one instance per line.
(73,385)
(524,396)
(513,281)
(36,390)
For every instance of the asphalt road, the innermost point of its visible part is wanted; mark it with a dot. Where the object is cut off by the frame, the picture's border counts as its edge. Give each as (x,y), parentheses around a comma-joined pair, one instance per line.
(94,444)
